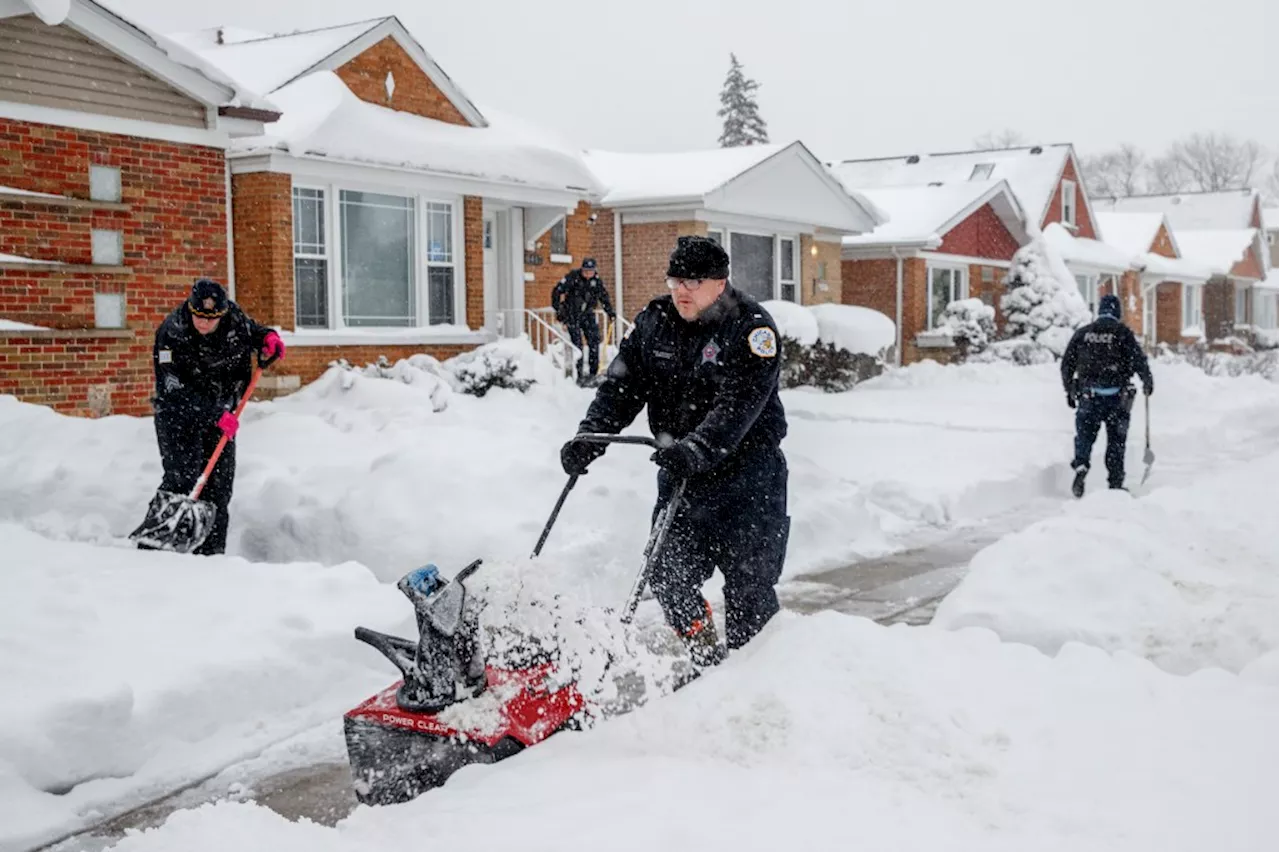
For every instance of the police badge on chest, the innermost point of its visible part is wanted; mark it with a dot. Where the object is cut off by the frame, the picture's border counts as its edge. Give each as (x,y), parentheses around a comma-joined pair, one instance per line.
(710,353)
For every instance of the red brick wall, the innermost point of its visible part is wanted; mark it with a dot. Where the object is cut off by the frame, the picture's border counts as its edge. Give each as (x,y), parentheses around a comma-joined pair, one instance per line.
(810,266)
(870,284)
(1162,244)
(601,243)
(310,362)
(1169,313)
(1219,308)
(262,221)
(646,249)
(915,301)
(366,77)
(988,291)
(174,232)
(1084,224)
(473,241)
(1131,300)
(982,234)
(579,239)
(1248,266)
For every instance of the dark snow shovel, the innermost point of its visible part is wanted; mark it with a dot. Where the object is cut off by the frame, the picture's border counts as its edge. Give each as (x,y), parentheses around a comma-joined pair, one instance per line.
(1148,457)
(181,522)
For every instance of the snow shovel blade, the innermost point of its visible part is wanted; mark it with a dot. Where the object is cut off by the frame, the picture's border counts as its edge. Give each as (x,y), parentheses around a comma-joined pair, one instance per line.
(1148,458)
(175,522)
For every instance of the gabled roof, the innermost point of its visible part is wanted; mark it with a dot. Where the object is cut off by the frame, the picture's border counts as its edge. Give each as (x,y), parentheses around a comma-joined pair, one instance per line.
(734,180)
(270,62)
(922,215)
(1134,232)
(1270,218)
(323,119)
(1229,209)
(1084,253)
(1033,173)
(1222,249)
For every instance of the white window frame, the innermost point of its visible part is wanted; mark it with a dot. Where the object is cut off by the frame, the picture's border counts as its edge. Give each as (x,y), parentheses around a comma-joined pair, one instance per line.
(1241,309)
(1069,202)
(1149,306)
(325,255)
(1197,299)
(959,287)
(333,237)
(1088,289)
(1266,310)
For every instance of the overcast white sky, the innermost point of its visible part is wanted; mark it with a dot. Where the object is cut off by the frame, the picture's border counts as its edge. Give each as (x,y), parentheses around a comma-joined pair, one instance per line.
(850,78)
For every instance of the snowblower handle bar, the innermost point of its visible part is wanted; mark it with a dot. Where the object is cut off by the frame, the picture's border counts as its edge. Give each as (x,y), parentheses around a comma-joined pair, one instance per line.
(605,438)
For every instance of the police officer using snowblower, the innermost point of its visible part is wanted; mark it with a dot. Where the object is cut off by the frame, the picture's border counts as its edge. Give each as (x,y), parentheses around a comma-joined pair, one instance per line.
(575,299)
(203,360)
(705,360)
(1097,367)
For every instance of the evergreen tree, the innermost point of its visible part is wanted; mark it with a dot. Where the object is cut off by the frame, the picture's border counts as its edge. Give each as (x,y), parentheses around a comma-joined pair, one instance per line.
(742,122)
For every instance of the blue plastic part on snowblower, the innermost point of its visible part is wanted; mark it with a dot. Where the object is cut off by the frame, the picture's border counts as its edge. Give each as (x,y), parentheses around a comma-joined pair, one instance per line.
(424,580)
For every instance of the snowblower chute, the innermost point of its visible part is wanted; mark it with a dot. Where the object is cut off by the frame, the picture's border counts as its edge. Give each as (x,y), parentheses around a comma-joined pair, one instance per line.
(452,708)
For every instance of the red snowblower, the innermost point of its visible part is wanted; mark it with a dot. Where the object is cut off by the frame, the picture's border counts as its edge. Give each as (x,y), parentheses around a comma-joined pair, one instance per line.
(453,707)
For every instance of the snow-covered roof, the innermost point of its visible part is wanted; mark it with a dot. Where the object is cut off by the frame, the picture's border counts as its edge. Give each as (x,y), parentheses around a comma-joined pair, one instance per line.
(1173,269)
(322,118)
(1130,232)
(265,62)
(1271,218)
(1219,249)
(768,181)
(1032,173)
(1190,210)
(1271,282)
(14,325)
(1084,252)
(17,258)
(922,215)
(681,176)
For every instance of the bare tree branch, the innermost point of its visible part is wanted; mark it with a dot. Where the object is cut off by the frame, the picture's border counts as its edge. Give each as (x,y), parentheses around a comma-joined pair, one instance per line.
(1118,173)
(1208,162)
(1005,139)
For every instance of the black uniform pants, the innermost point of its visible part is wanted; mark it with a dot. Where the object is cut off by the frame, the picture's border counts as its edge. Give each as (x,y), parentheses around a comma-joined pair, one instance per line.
(586,327)
(1091,413)
(733,519)
(184,451)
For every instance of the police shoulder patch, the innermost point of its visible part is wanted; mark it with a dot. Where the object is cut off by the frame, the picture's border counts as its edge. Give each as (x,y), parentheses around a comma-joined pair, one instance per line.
(763,342)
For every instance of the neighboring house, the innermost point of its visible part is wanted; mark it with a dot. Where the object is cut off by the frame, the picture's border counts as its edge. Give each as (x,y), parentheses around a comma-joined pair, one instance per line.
(113,198)
(1044,183)
(940,244)
(385,214)
(1271,225)
(776,209)
(1172,287)
(1221,231)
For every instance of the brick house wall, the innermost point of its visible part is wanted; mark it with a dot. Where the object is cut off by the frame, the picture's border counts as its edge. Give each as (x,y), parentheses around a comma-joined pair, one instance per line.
(174,231)
(473,246)
(1169,313)
(981,234)
(870,284)
(366,77)
(646,248)
(580,235)
(812,269)
(262,229)
(1084,224)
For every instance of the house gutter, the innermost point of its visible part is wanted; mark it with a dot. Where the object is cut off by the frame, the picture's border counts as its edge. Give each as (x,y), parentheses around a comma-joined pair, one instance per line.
(231,248)
(617,270)
(898,347)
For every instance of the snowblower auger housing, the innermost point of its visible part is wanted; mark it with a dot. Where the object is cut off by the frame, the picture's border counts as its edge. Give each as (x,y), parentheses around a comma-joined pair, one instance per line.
(398,745)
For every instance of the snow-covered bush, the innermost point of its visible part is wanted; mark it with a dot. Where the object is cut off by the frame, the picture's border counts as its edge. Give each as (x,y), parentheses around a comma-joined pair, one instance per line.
(970,323)
(830,347)
(496,365)
(1042,306)
(479,371)
(1265,363)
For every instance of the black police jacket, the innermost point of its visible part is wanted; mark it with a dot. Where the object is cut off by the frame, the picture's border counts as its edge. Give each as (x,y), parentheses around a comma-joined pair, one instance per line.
(575,298)
(1104,354)
(712,382)
(200,376)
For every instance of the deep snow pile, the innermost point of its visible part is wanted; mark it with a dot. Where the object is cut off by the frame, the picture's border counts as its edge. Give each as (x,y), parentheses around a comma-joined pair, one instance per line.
(829,728)
(850,328)
(1185,577)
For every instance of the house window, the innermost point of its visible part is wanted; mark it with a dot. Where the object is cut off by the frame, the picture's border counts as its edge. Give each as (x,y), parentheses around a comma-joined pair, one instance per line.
(988,275)
(378,287)
(1190,306)
(1242,306)
(1069,202)
(1088,288)
(787,269)
(104,183)
(1265,310)
(716,237)
(107,247)
(488,233)
(1149,316)
(310,259)
(559,238)
(946,285)
(751,261)
(441,271)
(982,171)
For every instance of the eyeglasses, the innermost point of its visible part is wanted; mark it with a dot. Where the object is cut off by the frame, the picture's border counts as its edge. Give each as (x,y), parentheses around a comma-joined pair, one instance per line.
(686,283)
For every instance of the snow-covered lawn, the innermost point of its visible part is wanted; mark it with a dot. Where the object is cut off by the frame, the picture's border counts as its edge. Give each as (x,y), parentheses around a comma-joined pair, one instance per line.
(126,672)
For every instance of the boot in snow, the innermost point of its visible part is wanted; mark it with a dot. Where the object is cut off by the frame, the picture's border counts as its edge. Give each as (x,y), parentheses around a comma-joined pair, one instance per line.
(1077,486)
(704,643)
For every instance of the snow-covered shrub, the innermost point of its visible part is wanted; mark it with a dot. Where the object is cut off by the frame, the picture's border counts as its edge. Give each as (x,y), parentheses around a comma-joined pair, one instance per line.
(1042,306)
(479,371)
(825,366)
(1265,363)
(969,323)
(829,347)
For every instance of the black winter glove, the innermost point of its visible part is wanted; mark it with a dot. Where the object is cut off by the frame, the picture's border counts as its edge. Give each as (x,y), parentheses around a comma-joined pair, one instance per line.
(680,460)
(576,456)
(1148,388)
(1071,399)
